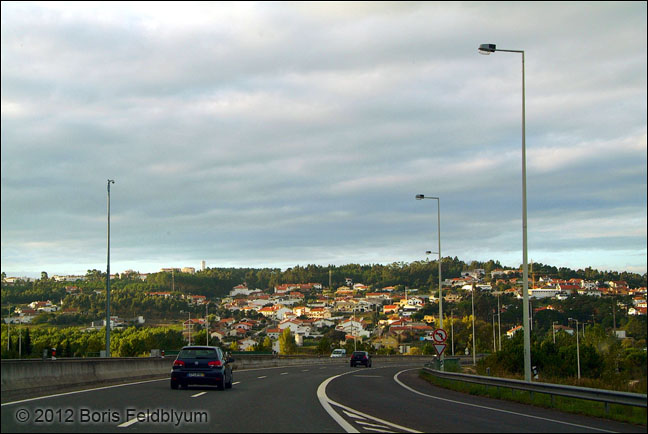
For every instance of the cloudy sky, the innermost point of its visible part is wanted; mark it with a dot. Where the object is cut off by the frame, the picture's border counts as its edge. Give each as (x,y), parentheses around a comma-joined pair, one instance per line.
(277,134)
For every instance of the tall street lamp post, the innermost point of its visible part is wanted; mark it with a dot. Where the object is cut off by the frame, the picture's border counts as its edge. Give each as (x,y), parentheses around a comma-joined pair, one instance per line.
(421,197)
(487,49)
(110,181)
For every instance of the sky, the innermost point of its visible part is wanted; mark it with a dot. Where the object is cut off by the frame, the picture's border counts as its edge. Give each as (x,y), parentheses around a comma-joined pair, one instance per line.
(283,134)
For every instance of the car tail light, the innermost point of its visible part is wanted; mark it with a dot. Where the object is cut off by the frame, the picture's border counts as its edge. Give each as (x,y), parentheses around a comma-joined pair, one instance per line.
(215,364)
(178,364)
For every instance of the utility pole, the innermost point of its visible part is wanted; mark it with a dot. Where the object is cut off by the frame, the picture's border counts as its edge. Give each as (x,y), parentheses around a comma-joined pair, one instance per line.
(190,327)
(207,322)
(472,293)
(494,346)
(499,323)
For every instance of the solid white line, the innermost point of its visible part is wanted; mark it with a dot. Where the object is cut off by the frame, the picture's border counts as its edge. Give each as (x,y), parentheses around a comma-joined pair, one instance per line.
(353,415)
(326,402)
(489,408)
(82,391)
(263,376)
(368,416)
(367,424)
(129,423)
(377,430)
(198,394)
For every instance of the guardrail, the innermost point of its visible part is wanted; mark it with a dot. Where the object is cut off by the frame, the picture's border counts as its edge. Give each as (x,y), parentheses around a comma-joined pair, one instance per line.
(601,395)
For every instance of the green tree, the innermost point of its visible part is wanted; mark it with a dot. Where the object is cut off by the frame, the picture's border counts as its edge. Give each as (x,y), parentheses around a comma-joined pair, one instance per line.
(287,343)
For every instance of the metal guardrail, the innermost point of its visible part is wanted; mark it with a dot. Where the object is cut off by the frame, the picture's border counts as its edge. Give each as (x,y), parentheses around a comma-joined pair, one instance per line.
(601,395)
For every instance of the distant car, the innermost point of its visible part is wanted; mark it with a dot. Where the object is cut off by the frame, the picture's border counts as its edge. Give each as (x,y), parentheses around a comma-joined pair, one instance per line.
(202,365)
(338,353)
(360,358)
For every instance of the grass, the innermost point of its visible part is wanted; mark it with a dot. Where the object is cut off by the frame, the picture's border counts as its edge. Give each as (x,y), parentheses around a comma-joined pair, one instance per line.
(622,413)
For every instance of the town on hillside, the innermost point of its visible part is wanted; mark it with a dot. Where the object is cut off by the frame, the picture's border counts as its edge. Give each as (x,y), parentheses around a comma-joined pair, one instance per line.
(317,318)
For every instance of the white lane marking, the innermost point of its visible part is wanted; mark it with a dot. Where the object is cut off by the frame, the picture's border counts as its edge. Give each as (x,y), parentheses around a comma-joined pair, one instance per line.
(326,402)
(368,416)
(129,423)
(378,430)
(489,408)
(305,370)
(82,391)
(236,382)
(198,394)
(284,373)
(367,424)
(141,382)
(263,376)
(353,415)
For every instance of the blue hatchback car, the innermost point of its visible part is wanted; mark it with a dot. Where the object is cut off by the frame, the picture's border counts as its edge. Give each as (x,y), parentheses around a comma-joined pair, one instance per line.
(202,365)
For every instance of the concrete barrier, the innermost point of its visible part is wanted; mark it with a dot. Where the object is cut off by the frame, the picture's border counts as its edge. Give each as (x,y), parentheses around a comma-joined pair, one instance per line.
(36,377)
(33,377)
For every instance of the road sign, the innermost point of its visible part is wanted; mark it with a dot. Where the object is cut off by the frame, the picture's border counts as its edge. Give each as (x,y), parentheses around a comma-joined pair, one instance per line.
(439,336)
(440,348)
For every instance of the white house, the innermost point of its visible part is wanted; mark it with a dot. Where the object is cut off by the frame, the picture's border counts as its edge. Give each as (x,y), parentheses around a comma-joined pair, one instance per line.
(246,344)
(241,290)
(295,327)
(352,327)
(321,323)
(543,292)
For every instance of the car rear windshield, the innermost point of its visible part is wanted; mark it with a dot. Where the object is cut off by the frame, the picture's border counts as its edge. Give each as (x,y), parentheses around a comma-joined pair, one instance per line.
(198,353)
(359,353)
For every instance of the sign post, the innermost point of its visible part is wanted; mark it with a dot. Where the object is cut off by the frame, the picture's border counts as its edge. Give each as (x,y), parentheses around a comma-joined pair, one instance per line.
(439,336)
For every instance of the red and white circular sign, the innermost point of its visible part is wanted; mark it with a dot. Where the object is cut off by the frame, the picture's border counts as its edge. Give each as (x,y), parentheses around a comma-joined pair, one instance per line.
(439,336)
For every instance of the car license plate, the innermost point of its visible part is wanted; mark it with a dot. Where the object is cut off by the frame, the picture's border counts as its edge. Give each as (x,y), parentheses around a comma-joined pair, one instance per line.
(195,374)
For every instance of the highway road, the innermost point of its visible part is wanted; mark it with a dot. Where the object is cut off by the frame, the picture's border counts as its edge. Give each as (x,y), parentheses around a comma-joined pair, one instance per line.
(309,398)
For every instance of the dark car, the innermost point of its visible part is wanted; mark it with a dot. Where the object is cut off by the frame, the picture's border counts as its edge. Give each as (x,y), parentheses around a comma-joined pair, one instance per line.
(202,365)
(360,358)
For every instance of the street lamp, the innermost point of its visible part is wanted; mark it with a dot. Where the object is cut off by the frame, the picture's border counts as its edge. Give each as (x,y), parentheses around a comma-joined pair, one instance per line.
(421,197)
(110,181)
(488,49)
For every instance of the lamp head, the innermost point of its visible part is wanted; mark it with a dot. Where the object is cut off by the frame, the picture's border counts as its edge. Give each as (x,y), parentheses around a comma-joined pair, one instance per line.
(420,196)
(486,49)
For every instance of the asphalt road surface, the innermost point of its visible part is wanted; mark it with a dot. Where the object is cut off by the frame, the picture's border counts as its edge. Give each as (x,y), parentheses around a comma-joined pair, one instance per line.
(309,398)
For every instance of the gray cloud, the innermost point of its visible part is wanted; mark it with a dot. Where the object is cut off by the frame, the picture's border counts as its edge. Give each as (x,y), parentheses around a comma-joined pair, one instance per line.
(275,134)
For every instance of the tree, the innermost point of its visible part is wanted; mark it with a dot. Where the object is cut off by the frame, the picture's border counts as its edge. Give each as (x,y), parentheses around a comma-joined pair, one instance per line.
(324,346)
(287,343)
(28,345)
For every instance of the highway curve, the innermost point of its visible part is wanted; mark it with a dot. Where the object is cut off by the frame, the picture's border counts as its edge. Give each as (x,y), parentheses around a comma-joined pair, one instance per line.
(309,398)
